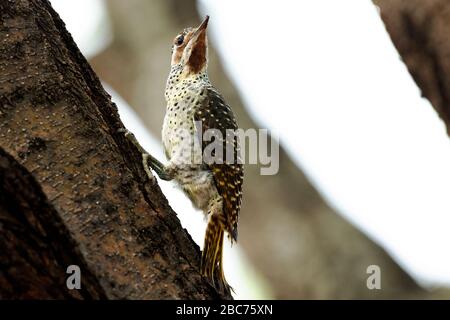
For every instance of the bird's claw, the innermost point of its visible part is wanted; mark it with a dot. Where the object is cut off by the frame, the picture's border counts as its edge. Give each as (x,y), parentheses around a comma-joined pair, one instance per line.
(125,131)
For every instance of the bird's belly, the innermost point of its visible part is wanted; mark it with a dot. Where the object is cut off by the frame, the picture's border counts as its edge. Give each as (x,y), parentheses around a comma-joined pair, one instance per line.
(199,186)
(178,134)
(183,150)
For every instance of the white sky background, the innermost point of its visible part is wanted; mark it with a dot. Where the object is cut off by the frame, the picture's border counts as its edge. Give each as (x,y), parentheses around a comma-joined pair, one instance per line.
(326,75)
(87,21)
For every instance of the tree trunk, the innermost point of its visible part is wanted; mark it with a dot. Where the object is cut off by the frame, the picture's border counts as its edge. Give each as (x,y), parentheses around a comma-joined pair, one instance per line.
(420,31)
(35,246)
(72,189)
(301,245)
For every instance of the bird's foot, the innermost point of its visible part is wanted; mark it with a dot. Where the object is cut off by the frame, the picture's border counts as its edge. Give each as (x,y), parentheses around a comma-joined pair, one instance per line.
(148,161)
(145,156)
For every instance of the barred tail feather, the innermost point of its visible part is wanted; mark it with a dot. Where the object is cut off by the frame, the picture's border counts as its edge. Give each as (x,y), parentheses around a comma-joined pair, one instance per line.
(212,266)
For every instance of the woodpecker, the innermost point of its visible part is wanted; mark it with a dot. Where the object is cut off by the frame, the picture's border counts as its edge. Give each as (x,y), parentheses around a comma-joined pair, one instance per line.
(195,106)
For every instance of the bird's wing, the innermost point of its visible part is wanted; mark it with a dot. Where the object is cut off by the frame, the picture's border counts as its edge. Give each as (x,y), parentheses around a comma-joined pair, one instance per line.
(214,113)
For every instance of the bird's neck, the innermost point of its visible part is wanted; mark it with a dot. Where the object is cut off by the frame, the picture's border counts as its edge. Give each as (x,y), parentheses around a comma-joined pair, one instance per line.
(178,81)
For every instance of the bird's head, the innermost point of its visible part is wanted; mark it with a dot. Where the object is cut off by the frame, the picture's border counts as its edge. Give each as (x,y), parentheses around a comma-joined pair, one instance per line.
(190,49)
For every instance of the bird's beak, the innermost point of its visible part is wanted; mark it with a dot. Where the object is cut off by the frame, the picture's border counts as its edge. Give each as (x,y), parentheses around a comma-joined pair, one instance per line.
(202,27)
(198,56)
(201,30)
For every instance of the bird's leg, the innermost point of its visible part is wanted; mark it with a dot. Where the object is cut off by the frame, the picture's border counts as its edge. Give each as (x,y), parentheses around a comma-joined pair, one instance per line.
(158,167)
(148,159)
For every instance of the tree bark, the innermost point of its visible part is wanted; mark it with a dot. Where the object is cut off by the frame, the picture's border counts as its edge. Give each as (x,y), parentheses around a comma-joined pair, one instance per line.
(72,189)
(35,246)
(420,31)
(301,245)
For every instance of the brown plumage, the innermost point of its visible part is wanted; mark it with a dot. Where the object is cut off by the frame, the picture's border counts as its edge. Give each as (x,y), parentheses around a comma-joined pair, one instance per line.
(214,113)
(215,188)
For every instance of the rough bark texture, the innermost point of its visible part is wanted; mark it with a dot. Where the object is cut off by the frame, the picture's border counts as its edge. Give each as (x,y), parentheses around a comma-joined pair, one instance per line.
(35,241)
(420,30)
(301,245)
(79,195)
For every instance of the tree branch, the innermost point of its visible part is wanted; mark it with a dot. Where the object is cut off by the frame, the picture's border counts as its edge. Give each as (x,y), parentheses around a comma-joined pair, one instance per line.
(35,245)
(420,31)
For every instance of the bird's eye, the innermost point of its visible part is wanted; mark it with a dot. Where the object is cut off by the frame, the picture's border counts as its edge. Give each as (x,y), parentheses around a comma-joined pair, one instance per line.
(179,40)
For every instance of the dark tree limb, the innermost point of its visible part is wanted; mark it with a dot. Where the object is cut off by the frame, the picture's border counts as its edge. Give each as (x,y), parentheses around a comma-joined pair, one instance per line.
(35,246)
(80,194)
(420,31)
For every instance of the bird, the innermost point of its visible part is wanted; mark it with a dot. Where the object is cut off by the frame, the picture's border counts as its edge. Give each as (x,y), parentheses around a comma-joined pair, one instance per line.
(194,108)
